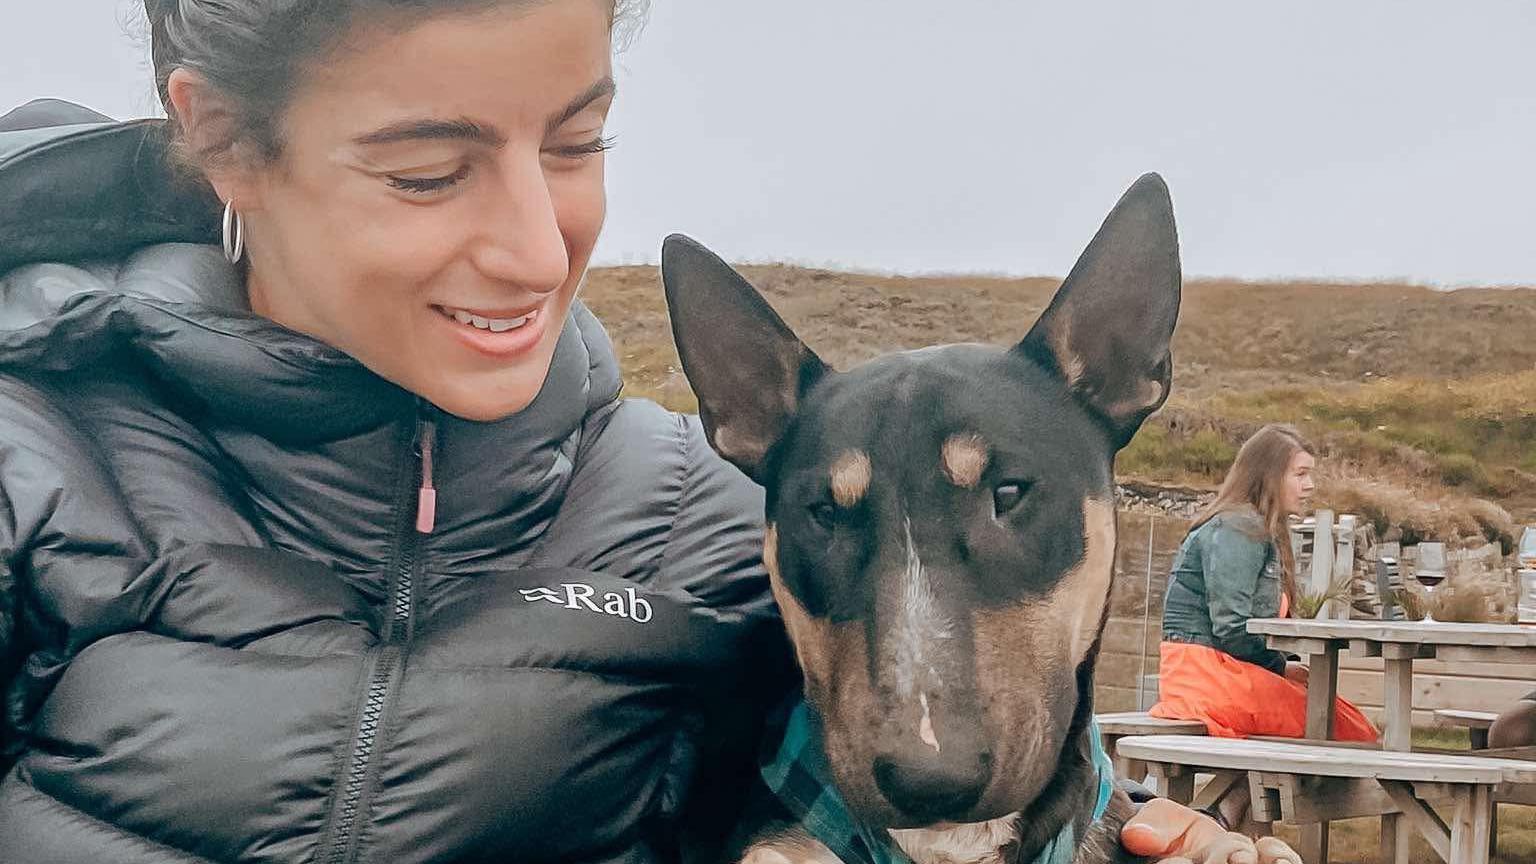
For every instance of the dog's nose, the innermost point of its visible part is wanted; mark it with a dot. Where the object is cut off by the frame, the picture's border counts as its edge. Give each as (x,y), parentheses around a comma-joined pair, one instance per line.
(933,789)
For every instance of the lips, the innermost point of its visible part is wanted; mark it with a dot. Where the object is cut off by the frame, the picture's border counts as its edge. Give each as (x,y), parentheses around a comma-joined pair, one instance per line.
(502,334)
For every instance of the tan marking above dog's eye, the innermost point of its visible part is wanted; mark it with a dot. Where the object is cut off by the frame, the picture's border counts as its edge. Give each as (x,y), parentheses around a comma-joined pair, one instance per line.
(850,478)
(964,458)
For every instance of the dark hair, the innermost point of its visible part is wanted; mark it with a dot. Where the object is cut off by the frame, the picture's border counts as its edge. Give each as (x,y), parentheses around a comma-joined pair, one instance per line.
(254,51)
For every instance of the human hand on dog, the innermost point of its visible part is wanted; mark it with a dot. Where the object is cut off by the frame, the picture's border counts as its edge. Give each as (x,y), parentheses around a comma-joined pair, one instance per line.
(1298,673)
(1170,833)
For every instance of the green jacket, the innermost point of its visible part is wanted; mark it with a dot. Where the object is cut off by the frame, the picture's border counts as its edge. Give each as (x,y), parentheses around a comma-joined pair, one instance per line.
(1227,571)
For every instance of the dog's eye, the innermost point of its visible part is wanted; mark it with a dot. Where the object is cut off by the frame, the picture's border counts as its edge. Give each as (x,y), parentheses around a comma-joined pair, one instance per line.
(824,514)
(1007,496)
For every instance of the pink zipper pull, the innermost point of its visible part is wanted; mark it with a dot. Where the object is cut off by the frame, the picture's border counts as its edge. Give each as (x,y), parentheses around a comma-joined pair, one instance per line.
(426,496)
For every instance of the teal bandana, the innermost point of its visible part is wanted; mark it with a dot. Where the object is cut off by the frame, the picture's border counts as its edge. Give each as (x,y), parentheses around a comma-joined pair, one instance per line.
(800,777)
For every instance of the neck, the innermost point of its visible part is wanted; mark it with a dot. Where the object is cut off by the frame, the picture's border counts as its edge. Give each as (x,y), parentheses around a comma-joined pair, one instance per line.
(1074,788)
(991,842)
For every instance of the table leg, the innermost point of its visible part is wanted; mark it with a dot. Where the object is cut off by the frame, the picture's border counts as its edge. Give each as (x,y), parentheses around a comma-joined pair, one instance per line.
(1396,839)
(1322,691)
(1398,710)
(1181,787)
(1470,830)
(1397,715)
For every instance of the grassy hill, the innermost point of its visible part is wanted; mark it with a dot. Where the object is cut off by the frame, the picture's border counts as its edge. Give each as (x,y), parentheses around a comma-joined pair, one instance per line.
(1424,402)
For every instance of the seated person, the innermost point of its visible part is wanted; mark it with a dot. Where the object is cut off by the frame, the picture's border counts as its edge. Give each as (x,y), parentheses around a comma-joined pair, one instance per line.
(1516,726)
(1236,564)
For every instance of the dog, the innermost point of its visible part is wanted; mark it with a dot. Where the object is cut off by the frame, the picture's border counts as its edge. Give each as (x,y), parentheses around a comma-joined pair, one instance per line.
(940,537)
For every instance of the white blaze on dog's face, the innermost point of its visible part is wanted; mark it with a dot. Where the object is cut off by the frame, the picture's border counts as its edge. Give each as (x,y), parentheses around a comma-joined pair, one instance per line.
(942,535)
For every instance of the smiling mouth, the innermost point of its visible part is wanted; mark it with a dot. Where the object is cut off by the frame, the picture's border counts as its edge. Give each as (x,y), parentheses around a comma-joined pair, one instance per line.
(482,322)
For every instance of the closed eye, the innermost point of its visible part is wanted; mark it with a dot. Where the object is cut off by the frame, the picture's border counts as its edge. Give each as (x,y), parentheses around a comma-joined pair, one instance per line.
(590,148)
(427,185)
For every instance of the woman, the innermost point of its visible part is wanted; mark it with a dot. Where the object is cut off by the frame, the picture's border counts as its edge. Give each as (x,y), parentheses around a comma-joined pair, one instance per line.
(1236,564)
(338,544)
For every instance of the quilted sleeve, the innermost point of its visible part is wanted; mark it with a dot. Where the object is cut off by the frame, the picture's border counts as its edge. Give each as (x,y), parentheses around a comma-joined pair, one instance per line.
(72,559)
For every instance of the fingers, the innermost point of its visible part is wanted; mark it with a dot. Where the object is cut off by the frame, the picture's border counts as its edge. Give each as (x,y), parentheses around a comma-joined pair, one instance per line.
(1171,833)
(1232,849)
(1273,850)
(1236,848)
(1163,827)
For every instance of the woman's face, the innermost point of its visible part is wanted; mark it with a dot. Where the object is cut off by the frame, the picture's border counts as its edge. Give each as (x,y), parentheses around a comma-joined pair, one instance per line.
(1299,485)
(437,199)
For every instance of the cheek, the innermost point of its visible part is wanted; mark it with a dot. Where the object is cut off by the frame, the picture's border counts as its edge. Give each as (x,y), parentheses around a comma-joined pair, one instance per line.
(581,205)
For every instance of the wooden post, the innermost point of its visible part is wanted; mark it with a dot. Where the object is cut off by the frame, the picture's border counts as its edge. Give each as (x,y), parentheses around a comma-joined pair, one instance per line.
(1322,555)
(1470,830)
(1322,693)
(1396,838)
(1343,565)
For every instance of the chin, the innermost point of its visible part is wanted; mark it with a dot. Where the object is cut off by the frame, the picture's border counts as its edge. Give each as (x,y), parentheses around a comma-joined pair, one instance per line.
(473,398)
(478,409)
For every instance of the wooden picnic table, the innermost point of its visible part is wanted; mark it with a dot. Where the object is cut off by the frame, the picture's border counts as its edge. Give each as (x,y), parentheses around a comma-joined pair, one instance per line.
(1398,644)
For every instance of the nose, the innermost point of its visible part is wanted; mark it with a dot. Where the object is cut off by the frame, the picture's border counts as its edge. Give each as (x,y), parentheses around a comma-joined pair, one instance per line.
(522,241)
(934,789)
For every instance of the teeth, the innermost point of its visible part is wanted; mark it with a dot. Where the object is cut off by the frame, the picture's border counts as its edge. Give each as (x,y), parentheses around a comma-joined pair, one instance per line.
(495,325)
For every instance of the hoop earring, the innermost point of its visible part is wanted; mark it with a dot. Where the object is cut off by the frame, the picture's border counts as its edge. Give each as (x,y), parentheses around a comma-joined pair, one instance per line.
(234,233)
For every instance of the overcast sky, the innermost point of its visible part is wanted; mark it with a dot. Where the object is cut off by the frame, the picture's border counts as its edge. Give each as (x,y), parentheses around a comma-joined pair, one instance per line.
(1359,139)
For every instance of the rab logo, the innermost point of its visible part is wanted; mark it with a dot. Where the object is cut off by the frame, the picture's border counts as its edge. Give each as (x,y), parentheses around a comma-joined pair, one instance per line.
(574,595)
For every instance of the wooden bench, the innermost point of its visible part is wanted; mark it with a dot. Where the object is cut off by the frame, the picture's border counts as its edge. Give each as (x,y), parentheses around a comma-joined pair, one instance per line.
(1113,727)
(1311,783)
(1477,724)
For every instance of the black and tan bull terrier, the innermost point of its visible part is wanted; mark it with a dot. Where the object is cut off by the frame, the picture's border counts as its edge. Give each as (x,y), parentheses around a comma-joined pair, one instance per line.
(941,535)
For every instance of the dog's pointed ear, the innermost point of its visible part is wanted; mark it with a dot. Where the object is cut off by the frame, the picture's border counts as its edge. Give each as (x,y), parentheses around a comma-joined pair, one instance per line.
(747,367)
(1108,331)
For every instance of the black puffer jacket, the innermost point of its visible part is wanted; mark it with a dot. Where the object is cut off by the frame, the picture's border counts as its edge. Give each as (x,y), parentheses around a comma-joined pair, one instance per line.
(223,637)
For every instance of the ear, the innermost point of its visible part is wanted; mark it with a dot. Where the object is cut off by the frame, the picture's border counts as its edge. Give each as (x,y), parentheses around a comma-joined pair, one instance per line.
(1108,330)
(207,120)
(746,366)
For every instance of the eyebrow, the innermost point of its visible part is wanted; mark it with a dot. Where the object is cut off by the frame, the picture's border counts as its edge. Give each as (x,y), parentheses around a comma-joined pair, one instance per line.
(597,91)
(434,130)
(464,129)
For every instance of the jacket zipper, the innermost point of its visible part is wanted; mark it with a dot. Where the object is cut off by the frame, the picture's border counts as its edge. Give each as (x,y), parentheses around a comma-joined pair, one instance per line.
(361,769)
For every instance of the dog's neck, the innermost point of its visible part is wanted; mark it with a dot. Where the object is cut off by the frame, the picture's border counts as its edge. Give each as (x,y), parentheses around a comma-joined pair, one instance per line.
(1069,799)
(979,843)
(991,842)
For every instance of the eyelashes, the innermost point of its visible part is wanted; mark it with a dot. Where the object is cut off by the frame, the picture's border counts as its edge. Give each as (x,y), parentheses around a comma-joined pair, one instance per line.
(591,148)
(430,185)
(427,185)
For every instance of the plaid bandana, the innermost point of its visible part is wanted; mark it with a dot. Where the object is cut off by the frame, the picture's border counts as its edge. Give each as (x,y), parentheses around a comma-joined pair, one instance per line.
(800,777)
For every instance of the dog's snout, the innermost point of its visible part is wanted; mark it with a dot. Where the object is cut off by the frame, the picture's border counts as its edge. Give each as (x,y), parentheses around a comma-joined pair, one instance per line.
(933,790)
